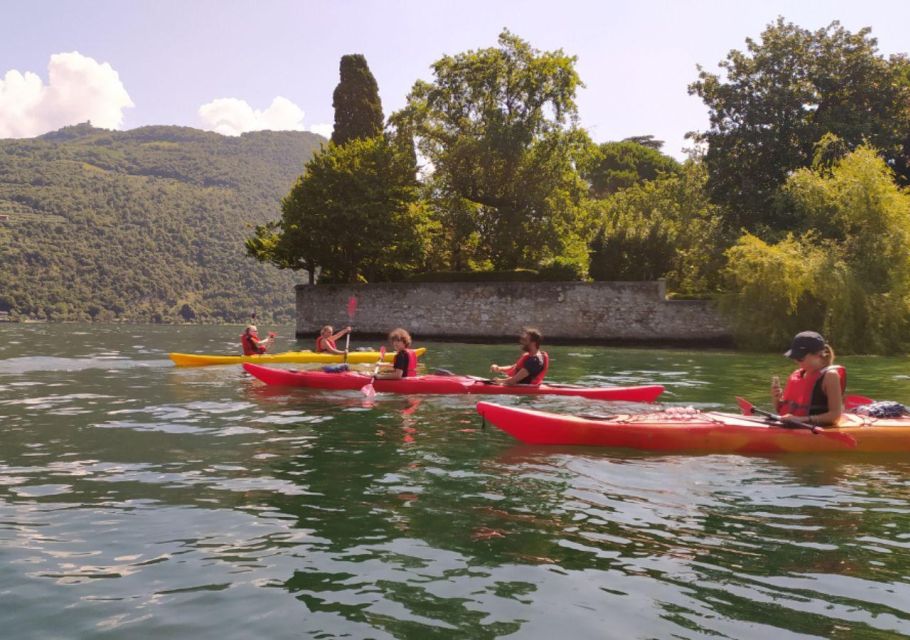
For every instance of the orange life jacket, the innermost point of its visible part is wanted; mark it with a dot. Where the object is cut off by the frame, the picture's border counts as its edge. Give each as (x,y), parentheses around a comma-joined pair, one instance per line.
(324,344)
(515,368)
(249,340)
(804,395)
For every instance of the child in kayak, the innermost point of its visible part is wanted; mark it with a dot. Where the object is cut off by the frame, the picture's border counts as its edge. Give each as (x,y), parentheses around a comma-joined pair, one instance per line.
(252,345)
(531,367)
(816,388)
(405,363)
(326,342)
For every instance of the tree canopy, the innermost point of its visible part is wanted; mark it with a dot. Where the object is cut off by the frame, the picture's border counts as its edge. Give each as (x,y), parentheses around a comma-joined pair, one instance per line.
(847,271)
(358,109)
(499,129)
(614,166)
(354,214)
(774,101)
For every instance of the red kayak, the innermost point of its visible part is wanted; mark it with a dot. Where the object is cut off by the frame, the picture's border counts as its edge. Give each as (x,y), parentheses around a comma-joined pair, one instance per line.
(455,385)
(696,431)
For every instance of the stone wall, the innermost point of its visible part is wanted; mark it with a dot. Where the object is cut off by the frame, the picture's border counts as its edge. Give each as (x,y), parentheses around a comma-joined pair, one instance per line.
(582,312)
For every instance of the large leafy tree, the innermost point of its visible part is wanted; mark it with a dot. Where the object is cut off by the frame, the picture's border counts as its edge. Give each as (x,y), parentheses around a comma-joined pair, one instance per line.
(663,228)
(358,109)
(774,101)
(499,128)
(354,214)
(618,165)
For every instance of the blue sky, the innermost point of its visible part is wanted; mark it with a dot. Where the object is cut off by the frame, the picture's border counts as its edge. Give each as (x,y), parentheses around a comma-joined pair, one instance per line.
(168,58)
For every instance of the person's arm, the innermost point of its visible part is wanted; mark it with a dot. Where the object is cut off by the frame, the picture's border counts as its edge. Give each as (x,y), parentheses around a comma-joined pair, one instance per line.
(397,372)
(831,386)
(777,394)
(521,374)
(340,334)
(509,371)
(393,374)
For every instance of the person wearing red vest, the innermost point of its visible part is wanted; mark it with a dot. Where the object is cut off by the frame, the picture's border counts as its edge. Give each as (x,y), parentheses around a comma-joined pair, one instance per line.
(326,342)
(531,367)
(405,363)
(815,391)
(252,345)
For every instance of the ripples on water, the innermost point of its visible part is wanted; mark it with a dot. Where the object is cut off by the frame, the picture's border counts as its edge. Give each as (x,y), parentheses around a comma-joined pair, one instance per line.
(137,499)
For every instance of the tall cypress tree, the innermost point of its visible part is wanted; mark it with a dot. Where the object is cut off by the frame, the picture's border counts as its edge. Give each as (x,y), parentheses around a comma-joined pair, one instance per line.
(358,110)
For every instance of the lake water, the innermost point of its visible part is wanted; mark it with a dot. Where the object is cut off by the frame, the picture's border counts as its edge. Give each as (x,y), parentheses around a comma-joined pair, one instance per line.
(138,500)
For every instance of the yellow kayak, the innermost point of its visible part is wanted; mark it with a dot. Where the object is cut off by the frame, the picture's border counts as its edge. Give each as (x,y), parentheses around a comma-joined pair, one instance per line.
(355,357)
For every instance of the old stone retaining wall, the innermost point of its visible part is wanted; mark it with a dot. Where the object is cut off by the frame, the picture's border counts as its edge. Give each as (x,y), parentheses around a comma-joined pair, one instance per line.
(581,312)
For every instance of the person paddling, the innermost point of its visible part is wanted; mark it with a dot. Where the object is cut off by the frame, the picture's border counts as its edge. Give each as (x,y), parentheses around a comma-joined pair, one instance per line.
(816,388)
(531,367)
(252,345)
(405,363)
(326,342)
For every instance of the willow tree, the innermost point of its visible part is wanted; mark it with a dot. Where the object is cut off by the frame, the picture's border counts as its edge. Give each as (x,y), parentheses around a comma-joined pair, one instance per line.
(499,128)
(846,273)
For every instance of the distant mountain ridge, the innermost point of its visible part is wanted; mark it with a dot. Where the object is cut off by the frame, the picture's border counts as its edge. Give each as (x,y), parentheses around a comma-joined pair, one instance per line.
(144,225)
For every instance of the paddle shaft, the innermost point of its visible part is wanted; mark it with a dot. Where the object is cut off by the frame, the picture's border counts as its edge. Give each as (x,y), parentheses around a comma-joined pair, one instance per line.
(793,421)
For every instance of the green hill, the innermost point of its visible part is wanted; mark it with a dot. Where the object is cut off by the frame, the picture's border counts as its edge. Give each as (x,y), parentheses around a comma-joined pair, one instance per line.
(144,225)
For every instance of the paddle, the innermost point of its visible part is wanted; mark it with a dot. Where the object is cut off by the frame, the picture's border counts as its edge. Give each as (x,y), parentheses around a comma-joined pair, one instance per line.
(748,409)
(368,389)
(352,309)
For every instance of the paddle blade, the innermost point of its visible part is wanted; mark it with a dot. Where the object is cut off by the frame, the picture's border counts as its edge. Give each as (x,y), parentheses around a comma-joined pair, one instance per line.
(352,307)
(368,390)
(745,406)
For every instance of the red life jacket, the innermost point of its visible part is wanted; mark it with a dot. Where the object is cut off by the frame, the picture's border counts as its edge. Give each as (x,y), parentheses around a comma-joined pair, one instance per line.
(250,343)
(804,395)
(515,368)
(324,344)
(411,370)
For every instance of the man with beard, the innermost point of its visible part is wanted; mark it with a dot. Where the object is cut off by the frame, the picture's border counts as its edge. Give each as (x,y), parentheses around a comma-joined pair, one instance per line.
(531,367)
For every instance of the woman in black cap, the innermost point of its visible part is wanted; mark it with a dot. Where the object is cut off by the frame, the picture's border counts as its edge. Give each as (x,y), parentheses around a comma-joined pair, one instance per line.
(816,388)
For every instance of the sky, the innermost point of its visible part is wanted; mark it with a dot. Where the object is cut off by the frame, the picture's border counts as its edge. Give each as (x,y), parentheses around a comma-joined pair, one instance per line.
(232,66)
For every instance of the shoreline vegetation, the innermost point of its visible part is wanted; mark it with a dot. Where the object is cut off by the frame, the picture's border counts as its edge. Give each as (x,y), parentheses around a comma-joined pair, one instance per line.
(791,211)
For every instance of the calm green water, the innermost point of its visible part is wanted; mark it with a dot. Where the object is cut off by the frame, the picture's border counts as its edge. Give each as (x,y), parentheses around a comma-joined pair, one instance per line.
(142,501)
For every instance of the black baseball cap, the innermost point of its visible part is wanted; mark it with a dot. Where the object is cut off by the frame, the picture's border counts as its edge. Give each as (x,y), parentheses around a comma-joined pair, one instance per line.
(805,342)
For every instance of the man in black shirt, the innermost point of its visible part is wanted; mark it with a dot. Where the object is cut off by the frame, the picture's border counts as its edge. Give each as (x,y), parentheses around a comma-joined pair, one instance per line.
(530,367)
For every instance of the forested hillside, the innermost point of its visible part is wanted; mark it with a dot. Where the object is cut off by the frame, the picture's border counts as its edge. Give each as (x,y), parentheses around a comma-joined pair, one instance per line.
(147,224)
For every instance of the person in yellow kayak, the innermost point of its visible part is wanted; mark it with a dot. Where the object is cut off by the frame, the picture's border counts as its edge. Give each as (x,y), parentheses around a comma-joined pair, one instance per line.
(252,345)
(327,340)
(814,392)
(531,367)
(405,363)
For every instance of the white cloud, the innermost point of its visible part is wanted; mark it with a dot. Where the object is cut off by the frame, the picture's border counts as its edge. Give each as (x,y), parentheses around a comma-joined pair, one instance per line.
(323,129)
(78,89)
(232,116)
